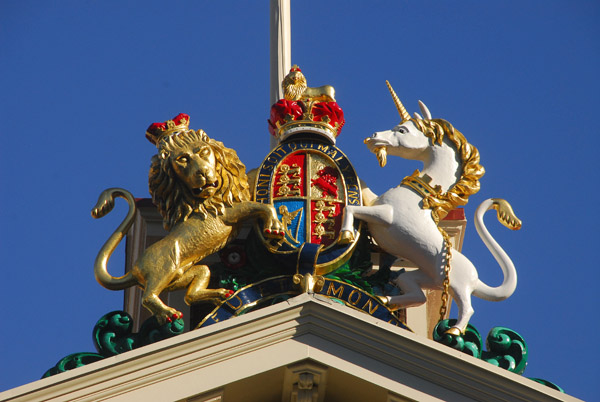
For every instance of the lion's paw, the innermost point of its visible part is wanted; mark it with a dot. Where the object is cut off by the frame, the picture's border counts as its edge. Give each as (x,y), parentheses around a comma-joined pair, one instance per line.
(274,230)
(168,317)
(274,233)
(226,293)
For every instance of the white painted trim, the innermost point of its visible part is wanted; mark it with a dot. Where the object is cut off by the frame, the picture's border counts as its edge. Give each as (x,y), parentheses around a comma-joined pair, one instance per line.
(307,327)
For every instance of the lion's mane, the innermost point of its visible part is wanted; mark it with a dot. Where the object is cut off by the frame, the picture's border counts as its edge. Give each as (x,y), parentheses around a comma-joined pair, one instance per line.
(174,200)
(292,90)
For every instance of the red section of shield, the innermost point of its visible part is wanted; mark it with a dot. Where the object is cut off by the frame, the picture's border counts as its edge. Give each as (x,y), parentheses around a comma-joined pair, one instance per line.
(290,177)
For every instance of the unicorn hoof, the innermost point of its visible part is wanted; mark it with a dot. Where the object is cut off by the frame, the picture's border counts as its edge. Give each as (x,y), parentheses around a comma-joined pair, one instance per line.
(346,237)
(453,331)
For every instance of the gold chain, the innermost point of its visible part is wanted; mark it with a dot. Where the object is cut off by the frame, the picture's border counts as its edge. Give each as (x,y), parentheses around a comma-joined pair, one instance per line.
(444,306)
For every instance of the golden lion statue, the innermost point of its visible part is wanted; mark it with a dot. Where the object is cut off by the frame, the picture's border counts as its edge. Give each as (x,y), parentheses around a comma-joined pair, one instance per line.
(201,189)
(295,88)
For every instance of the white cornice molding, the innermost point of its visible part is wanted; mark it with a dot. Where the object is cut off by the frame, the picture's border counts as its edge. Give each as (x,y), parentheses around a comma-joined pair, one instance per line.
(307,327)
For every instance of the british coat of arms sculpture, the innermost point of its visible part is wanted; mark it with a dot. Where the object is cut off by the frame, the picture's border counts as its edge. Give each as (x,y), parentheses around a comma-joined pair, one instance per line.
(309,210)
(315,226)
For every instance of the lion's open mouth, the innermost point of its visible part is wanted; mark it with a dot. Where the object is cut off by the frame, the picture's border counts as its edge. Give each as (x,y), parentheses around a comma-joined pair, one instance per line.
(205,190)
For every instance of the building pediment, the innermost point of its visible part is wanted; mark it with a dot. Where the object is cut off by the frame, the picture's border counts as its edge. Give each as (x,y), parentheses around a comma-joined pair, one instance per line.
(308,346)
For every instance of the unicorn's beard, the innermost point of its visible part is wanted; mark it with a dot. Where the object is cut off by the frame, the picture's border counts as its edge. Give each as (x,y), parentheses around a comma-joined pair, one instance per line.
(381,153)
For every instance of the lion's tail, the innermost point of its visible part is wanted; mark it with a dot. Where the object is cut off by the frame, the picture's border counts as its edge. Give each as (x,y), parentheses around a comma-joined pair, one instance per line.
(105,204)
(507,217)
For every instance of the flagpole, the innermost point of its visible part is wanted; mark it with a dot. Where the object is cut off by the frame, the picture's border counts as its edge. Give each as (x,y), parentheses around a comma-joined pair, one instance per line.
(280,49)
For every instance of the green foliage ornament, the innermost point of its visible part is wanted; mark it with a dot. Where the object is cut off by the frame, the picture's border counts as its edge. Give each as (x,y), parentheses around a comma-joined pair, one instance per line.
(548,384)
(506,348)
(110,334)
(346,274)
(73,361)
(113,335)
(469,342)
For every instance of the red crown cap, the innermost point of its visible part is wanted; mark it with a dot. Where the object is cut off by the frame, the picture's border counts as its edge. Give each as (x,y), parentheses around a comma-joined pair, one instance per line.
(157,131)
(289,117)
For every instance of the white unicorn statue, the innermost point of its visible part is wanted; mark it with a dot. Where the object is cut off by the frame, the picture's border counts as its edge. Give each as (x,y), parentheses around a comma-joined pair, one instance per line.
(404,220)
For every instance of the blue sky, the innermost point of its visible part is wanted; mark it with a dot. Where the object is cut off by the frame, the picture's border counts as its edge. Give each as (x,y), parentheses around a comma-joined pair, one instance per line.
(81,80)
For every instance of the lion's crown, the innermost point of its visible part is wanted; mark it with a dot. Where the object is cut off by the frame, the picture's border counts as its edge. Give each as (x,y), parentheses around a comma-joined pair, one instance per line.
(157,131)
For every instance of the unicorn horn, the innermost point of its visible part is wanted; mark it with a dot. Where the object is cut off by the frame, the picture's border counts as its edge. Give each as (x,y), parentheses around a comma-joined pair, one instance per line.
(403,113)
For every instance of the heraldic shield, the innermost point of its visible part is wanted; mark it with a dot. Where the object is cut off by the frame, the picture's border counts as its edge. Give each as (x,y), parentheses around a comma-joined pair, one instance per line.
(309,183)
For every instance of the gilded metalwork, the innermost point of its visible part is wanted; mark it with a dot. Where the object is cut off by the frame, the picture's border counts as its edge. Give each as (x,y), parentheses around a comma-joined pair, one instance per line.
(446,284)
(381,154)
(289,180)
(422,185)
(401,109)
(295,87)
(309,283)
(347,237)
(305,110)
(324,224)
(287,218)
(201,189)
(472,171)
(505,213)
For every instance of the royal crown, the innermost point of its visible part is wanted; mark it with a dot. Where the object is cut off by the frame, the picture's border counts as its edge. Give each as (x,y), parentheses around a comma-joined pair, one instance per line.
(305,109)
(157,131)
